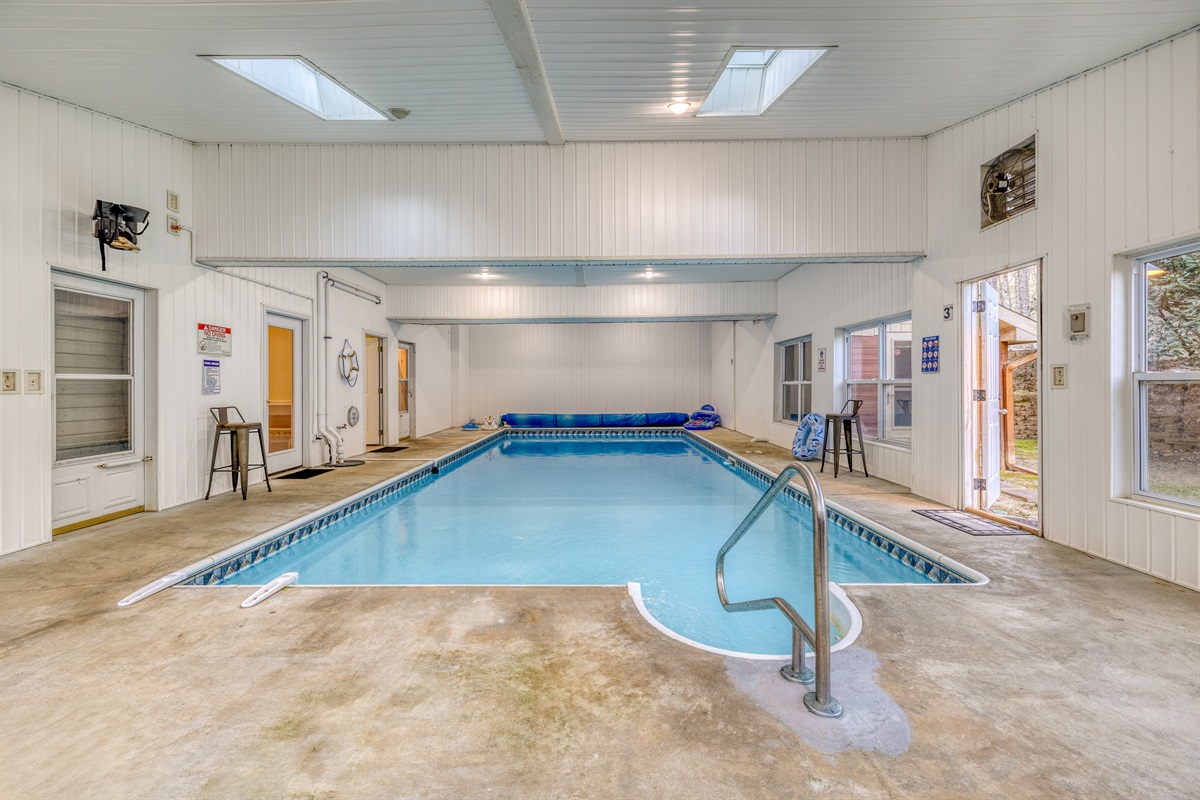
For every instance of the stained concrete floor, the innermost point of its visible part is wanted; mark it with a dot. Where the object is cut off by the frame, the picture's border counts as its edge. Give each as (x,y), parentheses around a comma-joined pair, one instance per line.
(1066,676)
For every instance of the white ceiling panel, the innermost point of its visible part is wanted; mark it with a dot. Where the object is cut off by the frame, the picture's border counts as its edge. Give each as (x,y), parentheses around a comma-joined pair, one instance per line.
(900,67)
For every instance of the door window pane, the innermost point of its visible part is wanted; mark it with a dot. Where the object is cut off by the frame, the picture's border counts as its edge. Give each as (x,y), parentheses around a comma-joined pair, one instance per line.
(281,374)
(92,418)
(402,388)
(91,334)
(897,418)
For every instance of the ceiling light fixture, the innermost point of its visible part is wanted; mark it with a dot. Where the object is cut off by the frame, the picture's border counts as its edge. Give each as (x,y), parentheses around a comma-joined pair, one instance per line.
(678,107)
(649,273)
(485,275)
(298,81)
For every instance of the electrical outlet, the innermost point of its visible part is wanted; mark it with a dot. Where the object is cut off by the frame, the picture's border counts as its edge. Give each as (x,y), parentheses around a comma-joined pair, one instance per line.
(172,201)
(9,382)
(33,381)
(1058,376)
(173,225)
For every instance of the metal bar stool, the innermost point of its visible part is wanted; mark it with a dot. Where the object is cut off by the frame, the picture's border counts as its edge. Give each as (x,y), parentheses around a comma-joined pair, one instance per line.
(840,423)
(239,448)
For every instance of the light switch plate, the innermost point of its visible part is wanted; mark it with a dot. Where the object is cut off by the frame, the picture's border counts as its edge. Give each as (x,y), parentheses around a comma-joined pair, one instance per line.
(1058,376)
(33,381)
(172,201)
(9,384)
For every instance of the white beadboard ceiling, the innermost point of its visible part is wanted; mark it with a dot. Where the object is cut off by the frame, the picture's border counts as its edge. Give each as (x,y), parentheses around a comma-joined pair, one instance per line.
(901,67)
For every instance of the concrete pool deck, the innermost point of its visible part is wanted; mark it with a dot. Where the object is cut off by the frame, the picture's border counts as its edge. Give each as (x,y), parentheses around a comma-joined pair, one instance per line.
(1066,676)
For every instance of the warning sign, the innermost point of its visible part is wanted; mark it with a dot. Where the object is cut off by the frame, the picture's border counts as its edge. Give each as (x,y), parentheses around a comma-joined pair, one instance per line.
(215,340)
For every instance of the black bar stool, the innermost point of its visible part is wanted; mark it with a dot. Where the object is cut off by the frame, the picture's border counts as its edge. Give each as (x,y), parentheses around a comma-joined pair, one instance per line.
(239,448)
(840,423)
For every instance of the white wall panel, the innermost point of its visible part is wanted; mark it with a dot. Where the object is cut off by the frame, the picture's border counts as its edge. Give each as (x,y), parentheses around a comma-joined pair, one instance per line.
(614,368)
(58,160)
(605,200)
(554,303)
(1117,163)
(820,300)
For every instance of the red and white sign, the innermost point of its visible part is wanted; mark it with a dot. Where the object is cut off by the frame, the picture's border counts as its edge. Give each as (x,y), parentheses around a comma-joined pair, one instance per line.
(214,340)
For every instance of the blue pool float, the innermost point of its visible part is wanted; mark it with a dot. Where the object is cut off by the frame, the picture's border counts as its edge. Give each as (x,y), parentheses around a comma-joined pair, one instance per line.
(705,419)
(809,437)
(470,426)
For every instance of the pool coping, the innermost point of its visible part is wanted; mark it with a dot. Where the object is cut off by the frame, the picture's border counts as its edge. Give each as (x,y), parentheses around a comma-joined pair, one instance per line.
(210,570)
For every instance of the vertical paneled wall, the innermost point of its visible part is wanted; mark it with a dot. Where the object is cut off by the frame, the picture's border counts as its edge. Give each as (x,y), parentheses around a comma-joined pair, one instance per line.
(613,367)
(58,160)
(820,300)
(1117,156)
(581,201)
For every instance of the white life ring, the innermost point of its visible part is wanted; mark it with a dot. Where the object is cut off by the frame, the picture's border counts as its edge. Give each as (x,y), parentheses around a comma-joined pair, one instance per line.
(809,437)
(348,363)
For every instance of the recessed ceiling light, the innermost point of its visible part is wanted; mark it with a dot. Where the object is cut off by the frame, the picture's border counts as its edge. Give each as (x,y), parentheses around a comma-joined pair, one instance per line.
(678,108)
(753,78)
(300,82)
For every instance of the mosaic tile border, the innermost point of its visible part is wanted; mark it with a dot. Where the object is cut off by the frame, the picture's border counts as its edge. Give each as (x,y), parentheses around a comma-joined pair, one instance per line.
(217,572)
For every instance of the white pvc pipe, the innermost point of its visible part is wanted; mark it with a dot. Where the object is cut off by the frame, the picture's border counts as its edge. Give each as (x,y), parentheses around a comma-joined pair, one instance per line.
(323,431)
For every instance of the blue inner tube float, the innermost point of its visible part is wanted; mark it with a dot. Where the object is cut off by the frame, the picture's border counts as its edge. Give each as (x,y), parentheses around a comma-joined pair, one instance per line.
(809,437)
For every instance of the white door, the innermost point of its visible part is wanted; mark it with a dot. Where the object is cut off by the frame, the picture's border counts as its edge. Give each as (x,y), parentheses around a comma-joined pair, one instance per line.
(987,396)
(373,407)
(404,388)
(98,396)
(285,393)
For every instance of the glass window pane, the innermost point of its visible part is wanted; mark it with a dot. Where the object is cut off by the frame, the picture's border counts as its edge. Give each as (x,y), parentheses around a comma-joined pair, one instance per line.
(806,361)
(790,362)
(1172,307)
(92,417)
(869,412)
(1171,419)
(805,399)
(899,337)
(864,355)
(281,426)
(790,409)
(91,334)
(897,418)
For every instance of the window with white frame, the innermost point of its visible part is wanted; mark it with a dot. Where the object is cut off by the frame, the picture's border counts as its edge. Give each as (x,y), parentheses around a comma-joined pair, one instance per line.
(793,379)
(1166,375)
(878,361)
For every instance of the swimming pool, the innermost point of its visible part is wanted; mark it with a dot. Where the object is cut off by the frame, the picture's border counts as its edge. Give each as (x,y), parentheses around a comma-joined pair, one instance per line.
(648,509)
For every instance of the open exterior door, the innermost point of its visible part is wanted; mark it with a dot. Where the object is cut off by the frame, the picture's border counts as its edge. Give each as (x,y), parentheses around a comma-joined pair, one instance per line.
(986,395)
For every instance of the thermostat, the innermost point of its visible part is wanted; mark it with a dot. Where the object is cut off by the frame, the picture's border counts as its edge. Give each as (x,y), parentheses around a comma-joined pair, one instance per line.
(1077,322)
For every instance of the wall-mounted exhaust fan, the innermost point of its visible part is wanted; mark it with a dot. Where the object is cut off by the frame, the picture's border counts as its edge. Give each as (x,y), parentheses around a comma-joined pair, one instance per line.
(1007,184)
(117,226)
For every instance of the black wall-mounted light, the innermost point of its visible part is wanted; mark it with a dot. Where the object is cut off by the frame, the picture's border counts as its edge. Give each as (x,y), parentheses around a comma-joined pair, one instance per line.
(118,226)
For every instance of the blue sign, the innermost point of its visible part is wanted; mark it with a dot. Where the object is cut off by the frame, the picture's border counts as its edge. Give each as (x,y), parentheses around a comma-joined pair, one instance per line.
(929,354)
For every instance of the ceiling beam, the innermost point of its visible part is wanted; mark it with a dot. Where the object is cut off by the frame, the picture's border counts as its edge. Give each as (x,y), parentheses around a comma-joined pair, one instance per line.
(512,18)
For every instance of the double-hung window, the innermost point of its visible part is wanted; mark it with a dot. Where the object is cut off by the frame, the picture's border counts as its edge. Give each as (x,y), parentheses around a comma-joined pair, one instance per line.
(878,360)
(793,371)
(1166,375)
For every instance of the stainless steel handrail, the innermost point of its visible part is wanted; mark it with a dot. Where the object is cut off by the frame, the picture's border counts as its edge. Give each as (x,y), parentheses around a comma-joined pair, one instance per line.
(820,701)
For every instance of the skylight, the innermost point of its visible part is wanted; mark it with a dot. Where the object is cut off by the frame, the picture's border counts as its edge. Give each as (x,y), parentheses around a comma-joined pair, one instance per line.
(297,81)
(754,78)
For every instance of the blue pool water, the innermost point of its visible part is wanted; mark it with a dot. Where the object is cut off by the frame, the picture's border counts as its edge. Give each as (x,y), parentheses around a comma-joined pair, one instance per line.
(579,510)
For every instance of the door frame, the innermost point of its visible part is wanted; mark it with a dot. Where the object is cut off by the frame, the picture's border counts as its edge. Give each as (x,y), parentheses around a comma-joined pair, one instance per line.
(966,363)
(411,347)
(382,396)
(142,392)
(303,427)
